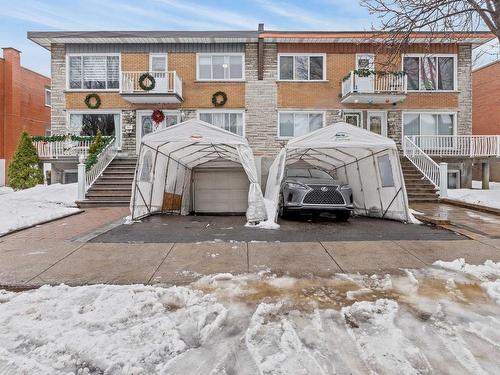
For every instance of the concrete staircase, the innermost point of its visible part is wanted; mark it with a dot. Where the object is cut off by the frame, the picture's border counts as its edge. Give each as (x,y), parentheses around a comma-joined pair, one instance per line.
(418,188)
(114,187)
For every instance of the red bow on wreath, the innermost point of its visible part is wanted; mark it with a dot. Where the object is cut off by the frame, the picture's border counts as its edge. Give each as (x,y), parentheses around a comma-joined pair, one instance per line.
(158,116)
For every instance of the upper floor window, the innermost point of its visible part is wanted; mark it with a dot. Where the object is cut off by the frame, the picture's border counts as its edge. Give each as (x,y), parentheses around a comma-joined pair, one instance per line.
(301,67)
(228,120)
(93,72)
(220,67)
(294,124)
(48,98)
(430,72)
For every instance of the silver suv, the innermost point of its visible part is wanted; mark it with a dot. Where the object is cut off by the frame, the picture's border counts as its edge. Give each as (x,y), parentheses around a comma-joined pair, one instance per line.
(314,191)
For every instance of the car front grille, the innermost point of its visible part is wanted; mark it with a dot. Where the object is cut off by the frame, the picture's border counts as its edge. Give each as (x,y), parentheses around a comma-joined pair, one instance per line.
(318,196)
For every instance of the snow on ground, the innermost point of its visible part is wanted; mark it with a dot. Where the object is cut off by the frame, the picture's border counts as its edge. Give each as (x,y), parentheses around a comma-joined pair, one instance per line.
(28,207)
(489,198)
(443,319)
(5,190)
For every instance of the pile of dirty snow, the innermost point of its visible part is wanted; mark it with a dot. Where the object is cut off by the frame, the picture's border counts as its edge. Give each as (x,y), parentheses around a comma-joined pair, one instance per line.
(489,198)
(438,320)
(41,203)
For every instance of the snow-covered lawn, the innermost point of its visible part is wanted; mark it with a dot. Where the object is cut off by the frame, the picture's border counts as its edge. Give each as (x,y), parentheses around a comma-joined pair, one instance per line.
(441,320)
(489,198)
(23,208)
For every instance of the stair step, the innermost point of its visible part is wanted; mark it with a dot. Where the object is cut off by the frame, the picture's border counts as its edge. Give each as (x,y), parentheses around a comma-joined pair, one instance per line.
(110,188)
(89,204)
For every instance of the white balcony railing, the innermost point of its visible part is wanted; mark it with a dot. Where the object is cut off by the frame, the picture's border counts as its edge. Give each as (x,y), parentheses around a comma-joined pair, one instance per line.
(60,149)
(374,83)
(165,83)
(104,158)
(428,167)
(458,145)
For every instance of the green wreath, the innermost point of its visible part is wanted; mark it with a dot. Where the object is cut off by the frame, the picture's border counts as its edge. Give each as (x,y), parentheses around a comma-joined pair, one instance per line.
(150,78)
(88,99)
(219,99)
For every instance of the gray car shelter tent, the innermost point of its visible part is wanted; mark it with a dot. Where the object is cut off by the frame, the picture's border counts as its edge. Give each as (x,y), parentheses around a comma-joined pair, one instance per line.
(162,182)
(367,161)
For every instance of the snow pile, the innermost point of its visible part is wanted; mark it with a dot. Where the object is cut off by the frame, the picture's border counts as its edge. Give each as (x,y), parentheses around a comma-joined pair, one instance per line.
(269,223)
(489,198)
(41,203)
(434,320)
(5,190)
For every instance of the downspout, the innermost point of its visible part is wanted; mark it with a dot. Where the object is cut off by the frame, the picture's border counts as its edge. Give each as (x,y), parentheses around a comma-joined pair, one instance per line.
(260,54)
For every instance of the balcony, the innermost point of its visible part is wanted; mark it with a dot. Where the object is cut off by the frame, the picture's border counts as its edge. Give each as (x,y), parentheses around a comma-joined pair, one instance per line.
(65,147)
(167,88)
(367,87)
(469,146)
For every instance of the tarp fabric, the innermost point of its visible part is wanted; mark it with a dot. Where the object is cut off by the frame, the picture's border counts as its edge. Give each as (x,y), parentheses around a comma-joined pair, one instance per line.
(162,181)
(365,160)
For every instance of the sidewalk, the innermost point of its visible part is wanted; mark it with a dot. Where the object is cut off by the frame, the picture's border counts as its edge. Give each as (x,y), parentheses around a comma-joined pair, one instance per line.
(48,255)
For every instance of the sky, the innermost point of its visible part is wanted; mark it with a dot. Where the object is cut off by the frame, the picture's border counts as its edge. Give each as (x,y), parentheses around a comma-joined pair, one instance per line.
(21,16)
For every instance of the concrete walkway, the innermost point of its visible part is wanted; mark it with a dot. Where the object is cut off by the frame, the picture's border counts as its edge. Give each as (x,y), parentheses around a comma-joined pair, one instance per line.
(54,253)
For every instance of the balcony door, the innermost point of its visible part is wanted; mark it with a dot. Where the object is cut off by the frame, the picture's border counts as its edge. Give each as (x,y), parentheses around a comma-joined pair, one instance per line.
(377,122)
(365,61)
(158,66)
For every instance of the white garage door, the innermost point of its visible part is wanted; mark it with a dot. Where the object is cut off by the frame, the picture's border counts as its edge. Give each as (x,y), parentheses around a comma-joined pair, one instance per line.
(220,191)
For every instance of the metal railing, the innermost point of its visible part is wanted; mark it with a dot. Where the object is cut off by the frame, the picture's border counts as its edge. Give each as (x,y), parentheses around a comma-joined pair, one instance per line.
(105,157)
(423,162)
(374,83)
(165,83)
(58,149)
(459,145)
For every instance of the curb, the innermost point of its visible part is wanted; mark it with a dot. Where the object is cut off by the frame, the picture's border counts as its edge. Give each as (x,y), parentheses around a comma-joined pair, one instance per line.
(472,206)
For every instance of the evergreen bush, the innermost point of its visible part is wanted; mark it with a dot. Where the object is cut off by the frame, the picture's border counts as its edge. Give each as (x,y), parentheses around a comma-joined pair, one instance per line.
(24,170)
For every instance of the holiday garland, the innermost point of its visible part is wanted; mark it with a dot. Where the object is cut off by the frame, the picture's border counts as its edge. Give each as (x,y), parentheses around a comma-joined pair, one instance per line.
(69,137)
(142,82)
(219,99)
(368,72)
(88,102)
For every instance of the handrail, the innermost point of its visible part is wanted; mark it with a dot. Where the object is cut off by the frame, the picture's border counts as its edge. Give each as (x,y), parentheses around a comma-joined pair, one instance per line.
(459,145)
(423,162)
(57,149)
(167,82)
(380,83)
(104,158)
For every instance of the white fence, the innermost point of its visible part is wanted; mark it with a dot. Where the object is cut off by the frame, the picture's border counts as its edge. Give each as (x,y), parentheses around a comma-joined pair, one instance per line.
(458,145)
(428,167)
(165,83)
(105,157)
(58,149)
(374,83)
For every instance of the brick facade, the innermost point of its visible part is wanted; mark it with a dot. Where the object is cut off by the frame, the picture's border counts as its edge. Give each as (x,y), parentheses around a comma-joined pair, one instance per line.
(486,100)
(22,105)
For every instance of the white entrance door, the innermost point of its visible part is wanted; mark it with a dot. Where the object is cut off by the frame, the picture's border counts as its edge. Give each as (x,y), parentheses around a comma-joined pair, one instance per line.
(377,122)
(145,125)
(365,61)
(158,65)
(220,191)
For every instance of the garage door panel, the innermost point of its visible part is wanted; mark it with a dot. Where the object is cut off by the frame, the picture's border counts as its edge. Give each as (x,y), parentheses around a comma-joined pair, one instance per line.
(220,191)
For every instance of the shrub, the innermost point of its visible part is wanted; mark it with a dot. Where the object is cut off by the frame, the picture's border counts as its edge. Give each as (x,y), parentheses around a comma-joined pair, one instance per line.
(95,149)
(24,171)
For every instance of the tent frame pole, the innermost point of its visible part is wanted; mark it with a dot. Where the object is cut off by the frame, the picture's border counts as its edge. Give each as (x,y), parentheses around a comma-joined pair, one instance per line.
(379,185)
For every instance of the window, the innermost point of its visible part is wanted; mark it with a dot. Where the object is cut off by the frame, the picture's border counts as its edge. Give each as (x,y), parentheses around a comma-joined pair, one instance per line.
(89,123)
(158,63)
(453,179)
(430,73)
(353,118)
(385,171)
(93,72)
(216,67)
(293,124)
(228,120)
(429,124)
(301,67)
(48,98)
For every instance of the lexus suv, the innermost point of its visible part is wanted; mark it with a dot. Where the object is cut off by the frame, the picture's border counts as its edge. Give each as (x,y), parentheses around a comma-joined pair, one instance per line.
(314,191)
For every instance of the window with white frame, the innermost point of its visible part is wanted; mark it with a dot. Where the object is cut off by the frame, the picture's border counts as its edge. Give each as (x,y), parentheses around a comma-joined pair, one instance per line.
(93,72)
(217,66)
(428,123)
(228,120)
(430,73)
(353,118)
(83,123)
(293,124)
(48,97)
(301,67)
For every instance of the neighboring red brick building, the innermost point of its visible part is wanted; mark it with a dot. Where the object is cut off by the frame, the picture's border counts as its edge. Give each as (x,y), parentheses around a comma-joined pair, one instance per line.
(24,105)
(486,99)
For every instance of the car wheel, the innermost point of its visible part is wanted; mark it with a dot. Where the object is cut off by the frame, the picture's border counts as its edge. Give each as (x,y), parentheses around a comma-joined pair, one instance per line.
(282,212)
(343,215)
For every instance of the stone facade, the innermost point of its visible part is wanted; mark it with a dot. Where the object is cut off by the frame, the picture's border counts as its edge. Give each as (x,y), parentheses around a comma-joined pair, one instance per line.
(58,74)
(394,126)
(464,78)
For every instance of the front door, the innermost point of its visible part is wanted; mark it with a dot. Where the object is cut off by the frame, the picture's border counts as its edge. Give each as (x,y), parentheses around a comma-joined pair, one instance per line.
(365,61)
(145,125)
(377,122)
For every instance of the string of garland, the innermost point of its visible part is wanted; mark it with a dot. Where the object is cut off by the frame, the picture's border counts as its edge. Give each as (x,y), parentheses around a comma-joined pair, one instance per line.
(88,101)
(368,72)
(69,137)
(99,143)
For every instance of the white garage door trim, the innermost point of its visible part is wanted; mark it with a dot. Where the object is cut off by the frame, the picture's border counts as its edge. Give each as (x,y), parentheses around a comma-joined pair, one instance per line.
(220,191)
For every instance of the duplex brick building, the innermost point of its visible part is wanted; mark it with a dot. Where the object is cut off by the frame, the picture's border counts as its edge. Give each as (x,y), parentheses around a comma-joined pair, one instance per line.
(278,84)
(24,105)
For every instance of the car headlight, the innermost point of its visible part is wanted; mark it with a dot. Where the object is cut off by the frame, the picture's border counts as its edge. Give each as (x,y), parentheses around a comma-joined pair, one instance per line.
(345,187)
(296,185)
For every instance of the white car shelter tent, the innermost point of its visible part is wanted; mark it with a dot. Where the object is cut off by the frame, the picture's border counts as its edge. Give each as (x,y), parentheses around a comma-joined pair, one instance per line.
(162,182)
(365,160)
